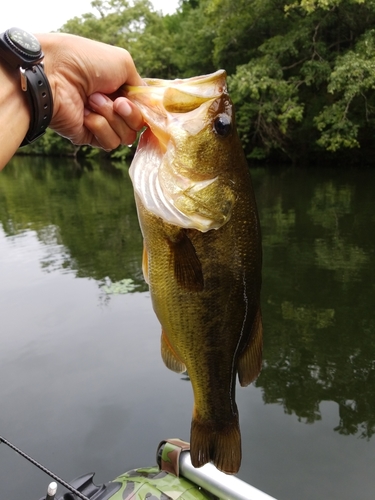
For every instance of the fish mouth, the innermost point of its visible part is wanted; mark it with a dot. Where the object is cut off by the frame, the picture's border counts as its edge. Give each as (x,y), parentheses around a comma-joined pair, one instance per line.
(204,86)
(159,98)
(166,186)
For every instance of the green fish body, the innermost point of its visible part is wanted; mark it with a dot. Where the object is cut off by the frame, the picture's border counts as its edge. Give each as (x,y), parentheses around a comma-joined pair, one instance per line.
(202,251)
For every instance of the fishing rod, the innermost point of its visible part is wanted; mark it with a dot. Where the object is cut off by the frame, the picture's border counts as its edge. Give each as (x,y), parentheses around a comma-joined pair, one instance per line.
(52,487)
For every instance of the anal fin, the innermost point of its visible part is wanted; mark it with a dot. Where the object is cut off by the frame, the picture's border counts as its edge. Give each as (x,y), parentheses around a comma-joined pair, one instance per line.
(169,356)
(250,361)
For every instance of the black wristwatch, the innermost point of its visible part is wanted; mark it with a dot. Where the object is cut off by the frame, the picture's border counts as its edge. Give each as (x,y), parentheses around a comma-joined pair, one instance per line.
(22,50)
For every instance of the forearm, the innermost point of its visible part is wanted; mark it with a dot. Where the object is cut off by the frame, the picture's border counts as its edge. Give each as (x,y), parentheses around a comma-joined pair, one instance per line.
(84,76)
(14,114)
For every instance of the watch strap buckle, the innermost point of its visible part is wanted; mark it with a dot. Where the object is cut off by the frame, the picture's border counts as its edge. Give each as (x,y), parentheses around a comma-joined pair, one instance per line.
(23,79)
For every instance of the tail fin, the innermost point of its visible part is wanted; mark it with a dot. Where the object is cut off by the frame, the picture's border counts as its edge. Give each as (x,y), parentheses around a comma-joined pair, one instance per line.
(221,446)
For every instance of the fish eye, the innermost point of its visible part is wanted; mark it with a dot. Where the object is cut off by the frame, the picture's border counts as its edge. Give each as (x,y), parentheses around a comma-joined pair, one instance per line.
(223,125)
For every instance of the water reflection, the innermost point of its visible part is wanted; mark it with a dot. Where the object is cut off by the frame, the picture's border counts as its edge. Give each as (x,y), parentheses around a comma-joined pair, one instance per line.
(318,298)
(329,207)
(318,293)
(85,216)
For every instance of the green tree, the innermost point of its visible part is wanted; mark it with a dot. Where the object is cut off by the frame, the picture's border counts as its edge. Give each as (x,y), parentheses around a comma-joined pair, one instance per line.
(51,144)
(134,26)
(301,72)
(193,40)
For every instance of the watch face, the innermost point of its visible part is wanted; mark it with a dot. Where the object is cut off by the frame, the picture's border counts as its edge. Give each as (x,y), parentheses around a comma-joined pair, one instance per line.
(24,41)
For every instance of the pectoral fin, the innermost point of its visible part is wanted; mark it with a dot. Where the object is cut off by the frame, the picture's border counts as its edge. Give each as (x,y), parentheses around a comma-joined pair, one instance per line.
(145,264)
(250,361)
(187,267)
(169,356)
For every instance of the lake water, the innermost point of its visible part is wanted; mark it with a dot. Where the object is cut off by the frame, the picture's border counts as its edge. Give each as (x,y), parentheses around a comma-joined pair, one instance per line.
(82,384)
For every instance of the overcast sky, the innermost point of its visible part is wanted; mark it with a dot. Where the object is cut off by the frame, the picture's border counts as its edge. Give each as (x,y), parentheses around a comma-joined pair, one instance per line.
(49,15)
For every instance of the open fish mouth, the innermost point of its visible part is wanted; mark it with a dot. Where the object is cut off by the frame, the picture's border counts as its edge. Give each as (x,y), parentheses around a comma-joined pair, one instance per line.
(159,98)
(167,183)
(180,95)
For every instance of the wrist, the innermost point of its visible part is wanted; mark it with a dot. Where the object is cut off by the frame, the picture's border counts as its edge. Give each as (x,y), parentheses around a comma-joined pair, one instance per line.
(12,94)
(61,69)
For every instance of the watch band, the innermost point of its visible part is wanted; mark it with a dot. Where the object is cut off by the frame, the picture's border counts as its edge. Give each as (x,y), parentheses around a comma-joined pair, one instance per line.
(39,95)
(20,49)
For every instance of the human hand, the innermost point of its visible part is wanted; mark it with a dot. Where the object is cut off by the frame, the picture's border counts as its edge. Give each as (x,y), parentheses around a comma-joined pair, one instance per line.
(84,76)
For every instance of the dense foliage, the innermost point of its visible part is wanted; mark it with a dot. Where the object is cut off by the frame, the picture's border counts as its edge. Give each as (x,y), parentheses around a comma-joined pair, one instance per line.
(301,72)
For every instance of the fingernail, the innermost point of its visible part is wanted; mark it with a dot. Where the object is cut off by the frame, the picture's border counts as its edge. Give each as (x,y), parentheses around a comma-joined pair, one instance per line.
(124,108)
(86,111)
(97,99)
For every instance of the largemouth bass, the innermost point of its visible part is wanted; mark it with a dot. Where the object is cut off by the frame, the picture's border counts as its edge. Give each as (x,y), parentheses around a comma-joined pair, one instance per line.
(202,251)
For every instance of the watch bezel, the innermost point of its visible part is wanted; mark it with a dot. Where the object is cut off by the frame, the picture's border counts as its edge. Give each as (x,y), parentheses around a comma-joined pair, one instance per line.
(15,36)
(13,54)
